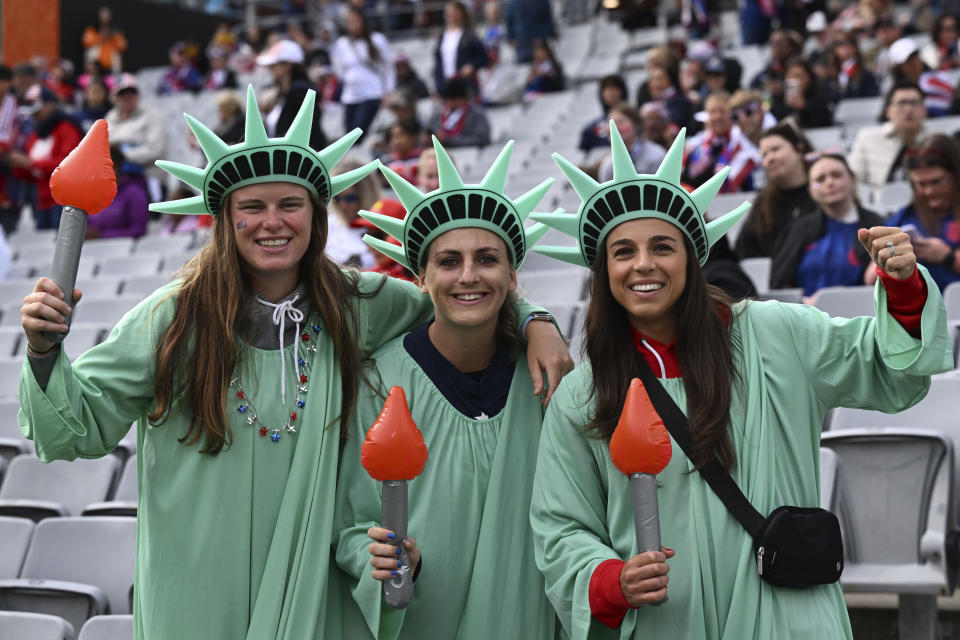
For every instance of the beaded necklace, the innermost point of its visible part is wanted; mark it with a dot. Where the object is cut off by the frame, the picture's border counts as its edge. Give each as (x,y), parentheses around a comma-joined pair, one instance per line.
(301,365)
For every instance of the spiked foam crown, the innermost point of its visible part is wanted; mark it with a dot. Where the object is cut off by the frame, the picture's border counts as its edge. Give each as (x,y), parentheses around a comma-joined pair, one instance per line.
(261,159)
(456,205)
(630,196)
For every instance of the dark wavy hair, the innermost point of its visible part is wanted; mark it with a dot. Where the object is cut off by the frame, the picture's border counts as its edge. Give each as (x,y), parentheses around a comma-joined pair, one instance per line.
(763,215)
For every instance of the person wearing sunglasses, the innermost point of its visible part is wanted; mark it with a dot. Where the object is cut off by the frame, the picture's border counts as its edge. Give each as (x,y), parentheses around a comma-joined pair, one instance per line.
(748,112)
(344,244)
(821,249)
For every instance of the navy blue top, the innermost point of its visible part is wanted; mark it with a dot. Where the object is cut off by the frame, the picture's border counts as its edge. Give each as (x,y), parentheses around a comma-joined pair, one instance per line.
(477,394)
(949,232)
(832,259)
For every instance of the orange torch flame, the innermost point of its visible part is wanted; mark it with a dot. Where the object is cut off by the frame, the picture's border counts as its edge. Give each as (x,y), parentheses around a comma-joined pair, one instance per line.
(394,447)
(640,443)
(85,179)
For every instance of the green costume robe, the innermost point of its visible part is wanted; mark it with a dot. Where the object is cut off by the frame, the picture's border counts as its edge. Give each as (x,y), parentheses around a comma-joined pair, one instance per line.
(235,545)
(468,512)
(795,363)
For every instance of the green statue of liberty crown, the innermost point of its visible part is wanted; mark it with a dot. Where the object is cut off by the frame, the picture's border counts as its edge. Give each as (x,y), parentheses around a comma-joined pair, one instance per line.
(456,205)
(630,196)
(261,159)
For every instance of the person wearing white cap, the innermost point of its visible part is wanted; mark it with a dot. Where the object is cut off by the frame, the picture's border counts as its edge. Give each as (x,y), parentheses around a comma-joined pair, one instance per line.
(138,130)
(284,59)
(906,66)
(364,65)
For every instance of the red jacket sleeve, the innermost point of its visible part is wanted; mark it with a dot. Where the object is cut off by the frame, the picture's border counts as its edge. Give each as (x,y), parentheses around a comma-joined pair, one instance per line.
(65,138)
(607,603)
(905,299)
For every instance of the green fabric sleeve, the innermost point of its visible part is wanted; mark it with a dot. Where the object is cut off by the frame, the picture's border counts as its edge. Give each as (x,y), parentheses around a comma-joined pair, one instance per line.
(88,406)
(567,512)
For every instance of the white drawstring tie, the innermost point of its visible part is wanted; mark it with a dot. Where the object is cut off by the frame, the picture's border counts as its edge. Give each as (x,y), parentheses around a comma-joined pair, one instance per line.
(281,312)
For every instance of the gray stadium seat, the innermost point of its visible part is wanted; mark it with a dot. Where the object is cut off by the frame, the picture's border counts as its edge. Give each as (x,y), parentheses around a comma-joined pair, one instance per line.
(13,290)
(9,341)
(104,311)
(102,248)
(846,302)
(176,243)
(828,478)
(38,490)
(894,503)
(794,296)
(103,286)
(15,533)
(124,502)
(143,286)
(759,271)
(10,377)
(564,285)
(141,265)
(107,628)
(76,568)
(83,336)
(825,137)
(21,625)
(12,442)
(858,111)
(951,299)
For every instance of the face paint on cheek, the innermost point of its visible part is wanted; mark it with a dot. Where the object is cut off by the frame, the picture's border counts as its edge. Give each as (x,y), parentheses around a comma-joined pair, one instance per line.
(241,225)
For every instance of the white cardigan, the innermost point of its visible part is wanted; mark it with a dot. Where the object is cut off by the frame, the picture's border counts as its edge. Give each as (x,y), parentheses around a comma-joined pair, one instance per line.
(362,78)
(874,151)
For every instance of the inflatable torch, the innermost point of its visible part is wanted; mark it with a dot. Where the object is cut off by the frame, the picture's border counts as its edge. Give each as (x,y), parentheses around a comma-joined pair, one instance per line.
(640,448)
(394,452)
(84,183)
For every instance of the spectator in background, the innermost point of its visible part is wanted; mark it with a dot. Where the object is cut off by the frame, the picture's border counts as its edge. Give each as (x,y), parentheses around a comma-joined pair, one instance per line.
(802,99)
(933,218)
(364,64)
(127,216)
(715,76)
(906,67)
(852,79)
(324,78)
(407,79)
(646,155)
(93,71)
(383,263)
(877,153)
(284,59)
(139,131)
(405,149)
(428,175)
(96,104)
(748,112)
(220,76)
(784,45)
(104,43)
(692,81)
(24,77)
(60,80)
(613,91)
(887,32)
(821,249)
(755,20)
(54,135)
(181,75)
(657,127)
(546,73)
(663,87)
(459,52)
(9,215)
(720,145)
(344,244)
(459,123)
(174,224)
(660,56)
(784,198)
(528,20)
(941,53)
(499,84)
(493,35)
(230,120)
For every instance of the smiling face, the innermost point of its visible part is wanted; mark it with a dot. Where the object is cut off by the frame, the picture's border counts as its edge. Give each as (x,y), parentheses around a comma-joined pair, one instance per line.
(647,273)
(933,188)
(271,226)
(468,276)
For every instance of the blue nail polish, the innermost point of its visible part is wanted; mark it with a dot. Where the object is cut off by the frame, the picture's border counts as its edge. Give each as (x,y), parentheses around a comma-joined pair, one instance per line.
(398,550)
(399,565)
(391,535)
(393,573)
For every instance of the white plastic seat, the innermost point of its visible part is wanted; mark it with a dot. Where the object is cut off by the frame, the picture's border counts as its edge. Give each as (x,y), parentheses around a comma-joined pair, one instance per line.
(759,271)
(76,568)
(951,299)
(825,137)
(103,311)
(107,628)
(14,290)
(892,197)
(33,250)
(828,478)
(10,338)
(22,625)
(102,248)
(124,502)
(15,533)
(10,377)
(140,265)
(12,442)
(846,302)
(563,286)
(103,286)
(859,111)
(172,263)
(794,296)
(163,245)
(143,286)
(38,490)
(83,336)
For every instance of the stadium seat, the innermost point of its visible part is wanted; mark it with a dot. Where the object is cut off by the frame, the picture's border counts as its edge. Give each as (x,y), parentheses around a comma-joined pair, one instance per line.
(14,290)
(33,250)
(107,628)
(947,125)
(894,501)
(101,249)
(9,340)
(759,271)
(20,625)
(10,377)
(951,299)
(172,263)
(826,138)
(892,197)
(858,111)
(38,490)
(104,311)
(828,478)
(76,568)
(555,286)
(124,502)
(15,533)
(83,336)
(147,264)
(143,286)
(846,302)
(794,296)
(106,285)
(937,410)
(723,204)
(163,245)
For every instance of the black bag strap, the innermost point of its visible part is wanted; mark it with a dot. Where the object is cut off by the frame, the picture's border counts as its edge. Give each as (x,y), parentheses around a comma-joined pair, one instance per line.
(715,475)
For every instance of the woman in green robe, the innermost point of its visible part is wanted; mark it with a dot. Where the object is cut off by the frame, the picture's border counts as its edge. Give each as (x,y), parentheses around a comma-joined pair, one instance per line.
(755,380)
(241,377)
(462,375)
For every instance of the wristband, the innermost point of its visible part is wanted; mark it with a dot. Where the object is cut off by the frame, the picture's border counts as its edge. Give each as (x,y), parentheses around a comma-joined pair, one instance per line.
(950,260)
(536,315)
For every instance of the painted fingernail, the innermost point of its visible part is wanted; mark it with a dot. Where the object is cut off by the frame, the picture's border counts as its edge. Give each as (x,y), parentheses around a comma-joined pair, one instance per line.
(398,550)
(399,565)
(393,573)
(391,535)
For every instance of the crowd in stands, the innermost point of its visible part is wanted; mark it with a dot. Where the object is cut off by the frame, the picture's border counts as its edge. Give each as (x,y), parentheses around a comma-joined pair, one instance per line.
(815,61)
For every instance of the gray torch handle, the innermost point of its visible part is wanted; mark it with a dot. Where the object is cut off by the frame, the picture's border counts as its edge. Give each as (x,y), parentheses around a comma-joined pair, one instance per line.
(66,259)
(646,514)
(398,590)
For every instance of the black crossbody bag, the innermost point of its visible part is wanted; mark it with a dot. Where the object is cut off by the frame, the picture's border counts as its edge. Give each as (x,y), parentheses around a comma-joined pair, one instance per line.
(794,547)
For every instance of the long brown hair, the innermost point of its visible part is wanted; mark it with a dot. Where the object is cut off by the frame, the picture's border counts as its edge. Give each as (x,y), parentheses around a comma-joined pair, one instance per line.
(763,215)
(703,350)
(199,351)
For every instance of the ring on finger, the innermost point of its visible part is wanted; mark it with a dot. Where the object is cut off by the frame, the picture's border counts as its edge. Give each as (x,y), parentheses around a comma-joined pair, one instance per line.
(892,251)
